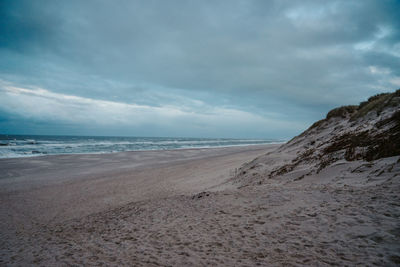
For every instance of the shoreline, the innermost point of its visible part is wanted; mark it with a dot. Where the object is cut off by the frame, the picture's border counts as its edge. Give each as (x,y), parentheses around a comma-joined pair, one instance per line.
(144,150)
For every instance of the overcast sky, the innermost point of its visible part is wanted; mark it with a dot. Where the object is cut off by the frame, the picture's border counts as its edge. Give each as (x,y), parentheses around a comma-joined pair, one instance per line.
(254,69)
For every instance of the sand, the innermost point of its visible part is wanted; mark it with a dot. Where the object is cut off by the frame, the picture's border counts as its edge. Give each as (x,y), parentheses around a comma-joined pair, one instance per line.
(189,207)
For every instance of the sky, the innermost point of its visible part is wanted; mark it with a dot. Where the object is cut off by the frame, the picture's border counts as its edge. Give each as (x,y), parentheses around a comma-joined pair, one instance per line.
(226,68)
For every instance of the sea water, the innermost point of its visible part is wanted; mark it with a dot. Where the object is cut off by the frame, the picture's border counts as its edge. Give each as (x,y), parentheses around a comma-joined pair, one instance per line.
(35,145)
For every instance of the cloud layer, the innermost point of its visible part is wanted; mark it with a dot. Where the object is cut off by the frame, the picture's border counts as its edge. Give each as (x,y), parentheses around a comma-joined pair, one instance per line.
(176,62)
(112,117)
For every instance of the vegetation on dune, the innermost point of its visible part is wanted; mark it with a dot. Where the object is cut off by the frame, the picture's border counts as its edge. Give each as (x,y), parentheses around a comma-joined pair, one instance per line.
(366,132)
(354,140)
(381,141)
(374,103)
(342,112)
(380,145)
(377,103)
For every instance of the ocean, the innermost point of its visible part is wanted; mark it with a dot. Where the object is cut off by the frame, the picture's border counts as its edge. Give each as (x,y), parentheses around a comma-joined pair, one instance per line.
(12,146)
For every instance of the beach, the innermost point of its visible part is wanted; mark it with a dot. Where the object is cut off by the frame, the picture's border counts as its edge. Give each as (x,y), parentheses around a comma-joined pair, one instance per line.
(197,207)
(40,192)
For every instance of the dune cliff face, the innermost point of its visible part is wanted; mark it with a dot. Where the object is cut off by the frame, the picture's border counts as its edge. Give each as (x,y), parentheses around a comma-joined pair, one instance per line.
(354,136)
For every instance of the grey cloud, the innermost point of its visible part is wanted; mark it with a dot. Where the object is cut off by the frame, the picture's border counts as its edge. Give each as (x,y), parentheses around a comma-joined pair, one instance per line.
(297,59)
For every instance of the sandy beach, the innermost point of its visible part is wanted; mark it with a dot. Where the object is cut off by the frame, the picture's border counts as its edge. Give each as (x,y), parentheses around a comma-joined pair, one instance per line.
(196,207)
(37,193)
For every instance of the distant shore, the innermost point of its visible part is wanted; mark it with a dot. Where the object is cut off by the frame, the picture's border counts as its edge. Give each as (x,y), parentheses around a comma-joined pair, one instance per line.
(148,150)
(15,146)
